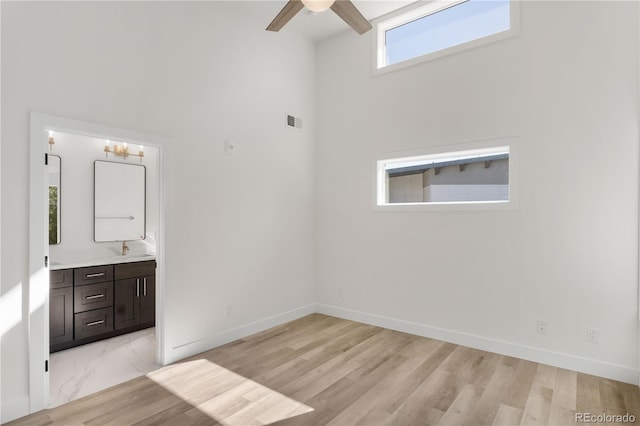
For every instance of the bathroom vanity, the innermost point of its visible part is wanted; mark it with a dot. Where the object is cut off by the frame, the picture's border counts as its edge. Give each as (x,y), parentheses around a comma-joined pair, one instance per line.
(103,270)
(97,302)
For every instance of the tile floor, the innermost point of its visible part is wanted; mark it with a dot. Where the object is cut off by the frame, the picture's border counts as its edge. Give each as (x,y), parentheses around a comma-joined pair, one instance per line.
(81,371)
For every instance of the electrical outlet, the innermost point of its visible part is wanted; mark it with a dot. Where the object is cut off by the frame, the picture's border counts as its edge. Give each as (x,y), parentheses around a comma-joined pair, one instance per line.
(593,335)
(542,326)
(228,311)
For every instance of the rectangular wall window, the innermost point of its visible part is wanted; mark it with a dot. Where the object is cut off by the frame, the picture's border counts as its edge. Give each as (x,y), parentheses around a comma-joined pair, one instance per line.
(441,26)
(470,176)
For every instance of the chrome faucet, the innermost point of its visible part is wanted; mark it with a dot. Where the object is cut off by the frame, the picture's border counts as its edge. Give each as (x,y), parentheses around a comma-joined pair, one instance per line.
(125,247)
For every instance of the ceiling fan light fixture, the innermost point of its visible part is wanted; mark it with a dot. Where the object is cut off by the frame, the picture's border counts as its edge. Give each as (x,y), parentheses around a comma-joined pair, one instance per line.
(318,5)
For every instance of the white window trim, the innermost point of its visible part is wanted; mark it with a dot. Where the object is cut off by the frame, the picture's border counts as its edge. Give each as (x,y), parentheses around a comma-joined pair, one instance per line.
(419,10)
(379,178)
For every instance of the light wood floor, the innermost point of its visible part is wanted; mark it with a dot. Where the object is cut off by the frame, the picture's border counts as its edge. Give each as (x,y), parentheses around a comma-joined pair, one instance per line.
(321,370)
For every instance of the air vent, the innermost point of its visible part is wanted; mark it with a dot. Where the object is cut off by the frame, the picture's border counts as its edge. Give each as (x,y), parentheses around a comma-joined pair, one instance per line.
(294,122)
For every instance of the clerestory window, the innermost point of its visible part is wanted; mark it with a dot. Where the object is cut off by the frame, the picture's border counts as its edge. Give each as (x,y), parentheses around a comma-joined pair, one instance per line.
(442,27)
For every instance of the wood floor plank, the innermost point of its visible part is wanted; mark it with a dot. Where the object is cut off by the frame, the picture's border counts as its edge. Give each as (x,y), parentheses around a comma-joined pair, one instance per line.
(561,416)
(346,345)
(416,408)
(631,395)
(321,370)
(588,394)
(461,406)
(564,391)
(507,416)
(536,412)
(492,397)
(611,397)
(372,400)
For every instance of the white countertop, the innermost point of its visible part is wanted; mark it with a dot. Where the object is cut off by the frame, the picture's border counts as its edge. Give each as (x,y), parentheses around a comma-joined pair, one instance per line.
(109,260)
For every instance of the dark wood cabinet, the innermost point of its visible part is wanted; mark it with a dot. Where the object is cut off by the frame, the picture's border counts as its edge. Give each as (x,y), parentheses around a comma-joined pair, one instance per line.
(86,304)
(92,296)
(135,295)
(61,278)
(60,314)
(93,274)
(148,301)
(94,323)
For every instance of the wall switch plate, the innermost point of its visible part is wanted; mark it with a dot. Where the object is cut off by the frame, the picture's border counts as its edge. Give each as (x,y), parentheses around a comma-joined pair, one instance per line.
(593,335)
(542,326)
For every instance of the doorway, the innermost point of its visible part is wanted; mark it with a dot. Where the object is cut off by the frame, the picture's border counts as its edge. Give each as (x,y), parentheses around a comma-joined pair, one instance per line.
(45,129)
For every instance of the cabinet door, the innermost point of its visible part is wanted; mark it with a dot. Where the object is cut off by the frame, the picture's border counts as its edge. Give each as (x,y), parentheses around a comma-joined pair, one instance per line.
(60,315)
(127,302)
(61,278)
(148,300)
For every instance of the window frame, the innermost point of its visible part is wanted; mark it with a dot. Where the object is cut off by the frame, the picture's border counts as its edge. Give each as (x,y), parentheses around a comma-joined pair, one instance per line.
(379,181)
(419,10)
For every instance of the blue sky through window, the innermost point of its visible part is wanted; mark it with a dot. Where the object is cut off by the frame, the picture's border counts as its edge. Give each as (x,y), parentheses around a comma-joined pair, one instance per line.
(455,25)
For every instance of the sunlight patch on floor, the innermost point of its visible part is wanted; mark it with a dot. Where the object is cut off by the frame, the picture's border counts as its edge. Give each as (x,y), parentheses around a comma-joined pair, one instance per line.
(225,396)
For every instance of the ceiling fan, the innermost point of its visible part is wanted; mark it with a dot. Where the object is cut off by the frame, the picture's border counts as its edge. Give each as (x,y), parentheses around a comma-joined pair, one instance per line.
(343,8)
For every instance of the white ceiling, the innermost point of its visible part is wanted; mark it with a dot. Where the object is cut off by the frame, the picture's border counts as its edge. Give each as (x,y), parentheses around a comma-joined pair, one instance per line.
(319,26)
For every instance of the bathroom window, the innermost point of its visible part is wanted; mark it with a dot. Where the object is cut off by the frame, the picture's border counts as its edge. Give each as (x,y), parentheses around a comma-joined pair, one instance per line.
(442,27)
(468,177)
(54,231)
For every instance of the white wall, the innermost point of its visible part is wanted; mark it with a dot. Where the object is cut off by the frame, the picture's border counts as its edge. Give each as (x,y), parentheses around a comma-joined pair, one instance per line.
(567,88)
(78,153)
(197,73)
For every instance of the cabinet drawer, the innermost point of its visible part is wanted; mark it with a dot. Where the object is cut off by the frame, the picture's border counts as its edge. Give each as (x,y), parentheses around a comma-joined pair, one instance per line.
(135,269)
(92,296)
(61,278)
(92,323)
(93,274)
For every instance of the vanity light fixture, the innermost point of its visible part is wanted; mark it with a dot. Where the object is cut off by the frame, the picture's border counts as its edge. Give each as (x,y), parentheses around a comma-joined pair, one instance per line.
(52,140)
(121,150)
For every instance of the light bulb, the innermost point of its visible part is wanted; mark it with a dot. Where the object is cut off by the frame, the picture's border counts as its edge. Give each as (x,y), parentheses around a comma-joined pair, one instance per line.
(50,133)
(141,148)
(124,145)
(318,5)
(107,143)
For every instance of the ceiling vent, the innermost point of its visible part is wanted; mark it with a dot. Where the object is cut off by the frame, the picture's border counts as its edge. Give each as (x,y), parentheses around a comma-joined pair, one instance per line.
(294,122)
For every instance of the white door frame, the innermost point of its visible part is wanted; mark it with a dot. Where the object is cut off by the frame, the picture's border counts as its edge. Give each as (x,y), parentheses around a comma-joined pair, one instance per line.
(38,288)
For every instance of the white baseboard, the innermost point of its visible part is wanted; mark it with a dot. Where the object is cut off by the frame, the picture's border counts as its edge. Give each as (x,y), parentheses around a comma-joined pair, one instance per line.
(14,408)
(543,356)
(185,350)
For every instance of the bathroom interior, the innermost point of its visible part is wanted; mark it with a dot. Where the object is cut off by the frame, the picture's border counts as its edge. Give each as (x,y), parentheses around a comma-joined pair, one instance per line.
(103,225)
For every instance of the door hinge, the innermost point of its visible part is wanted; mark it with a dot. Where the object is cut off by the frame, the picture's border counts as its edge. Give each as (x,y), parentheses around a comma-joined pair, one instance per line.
(46,261)
(46,365)
(46,159)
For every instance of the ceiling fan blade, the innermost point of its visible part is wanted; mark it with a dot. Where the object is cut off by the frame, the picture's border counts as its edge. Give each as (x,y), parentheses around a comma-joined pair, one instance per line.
(352,16)
(288,11)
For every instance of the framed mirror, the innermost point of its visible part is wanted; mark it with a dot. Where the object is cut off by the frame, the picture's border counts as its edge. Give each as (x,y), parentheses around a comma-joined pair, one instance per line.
(54,170)
(119,201)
